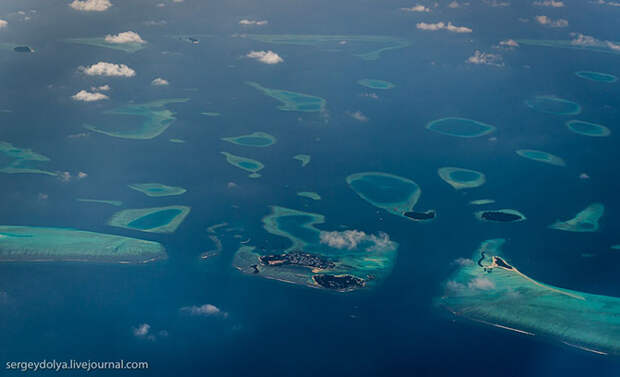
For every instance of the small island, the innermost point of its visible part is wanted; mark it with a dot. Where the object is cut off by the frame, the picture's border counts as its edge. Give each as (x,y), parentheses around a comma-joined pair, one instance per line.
(501,216)
(421,216)
(23,49)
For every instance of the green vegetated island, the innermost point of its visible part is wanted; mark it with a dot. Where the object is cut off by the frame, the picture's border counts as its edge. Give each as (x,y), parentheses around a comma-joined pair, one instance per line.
(116,203)
(130,47)
(16,48)
(304,158)
(40,244)
(587,128)
(585,221)
(255,139)
(395,194)
(500,216)
(461,178)
(366,47)
(318,259)
(460,127)
(597,76)
(244,163)
(489,290)
(157,189)
(154,220)
(376,84)
(292,101)
(553,105)
(157,119)
(540,156)
(16,160)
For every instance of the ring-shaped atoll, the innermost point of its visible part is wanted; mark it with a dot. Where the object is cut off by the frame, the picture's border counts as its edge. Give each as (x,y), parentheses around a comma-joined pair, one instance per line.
(460,127)
(584,221)
(340,261)
(157,120)
(587,128)
(255,139)
(553,105)
(597,76)
(244,163)
(376,84)
(500,216)
(395,194)
(488,289)
(154,220)
(42,244)
(157,189)
(461,178)
(540,156)
(292,101)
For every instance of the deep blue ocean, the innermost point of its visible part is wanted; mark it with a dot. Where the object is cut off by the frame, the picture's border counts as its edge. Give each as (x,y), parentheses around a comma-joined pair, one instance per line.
(87,311)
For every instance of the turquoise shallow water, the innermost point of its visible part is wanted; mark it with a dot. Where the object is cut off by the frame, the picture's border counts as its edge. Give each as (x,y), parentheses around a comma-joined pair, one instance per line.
(89,311)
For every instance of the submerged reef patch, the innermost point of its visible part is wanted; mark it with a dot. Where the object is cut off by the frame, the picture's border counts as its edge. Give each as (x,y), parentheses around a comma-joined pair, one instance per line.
(460,127)
(460,178)
(15,160)
(597,76)
(41,244)
(157,189)
(304,158)
(376,84)
(255,139)
(541,156)
(154,220)
(585,221)
(587,128)
(157,120)
(553,105)
(244,163)
(292,101)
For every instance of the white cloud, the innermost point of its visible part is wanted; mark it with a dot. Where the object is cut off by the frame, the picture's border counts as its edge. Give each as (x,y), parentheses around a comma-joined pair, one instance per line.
(480,57)
(253,22)
(102,88)
(509,43)
(352,239)
(358,115)
(3,24)
(85,96)
(443,26)
(544,20)
(206,310)
(549,3)
(81,175)
(125,37)
(267,57)
(416,8)
(108,69)
(456,4)
(159,82)
(496,3)
(610,3)
(142,330)
(91,5)
(177,1)
(481,283)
